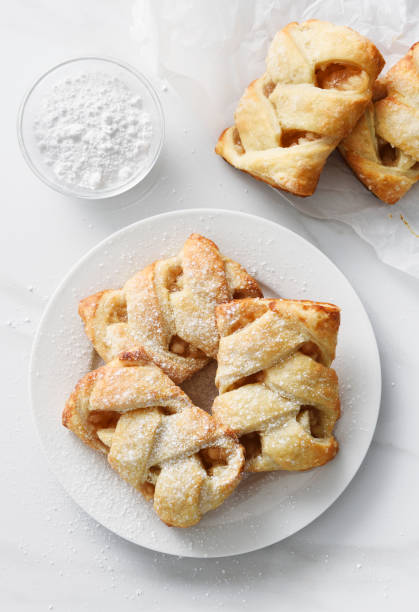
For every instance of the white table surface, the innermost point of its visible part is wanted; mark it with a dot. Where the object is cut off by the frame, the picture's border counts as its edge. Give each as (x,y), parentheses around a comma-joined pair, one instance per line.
(361,554)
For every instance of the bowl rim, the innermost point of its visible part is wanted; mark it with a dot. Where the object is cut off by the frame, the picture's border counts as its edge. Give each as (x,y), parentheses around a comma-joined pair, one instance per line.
(61,187)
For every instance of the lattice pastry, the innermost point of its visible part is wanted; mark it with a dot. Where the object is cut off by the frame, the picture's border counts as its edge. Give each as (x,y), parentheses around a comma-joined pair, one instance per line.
(317,83)
(156,439)
(277,390)
(383,149)
(166,312)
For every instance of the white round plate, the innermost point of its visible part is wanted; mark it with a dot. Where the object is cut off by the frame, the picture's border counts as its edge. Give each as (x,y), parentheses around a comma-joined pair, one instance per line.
(265,508)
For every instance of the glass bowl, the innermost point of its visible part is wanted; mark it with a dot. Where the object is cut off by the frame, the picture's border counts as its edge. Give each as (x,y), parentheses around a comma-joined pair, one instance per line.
(31,106)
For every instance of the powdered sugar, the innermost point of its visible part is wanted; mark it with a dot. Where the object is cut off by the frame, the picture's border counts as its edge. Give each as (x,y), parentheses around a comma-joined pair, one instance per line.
(93,132)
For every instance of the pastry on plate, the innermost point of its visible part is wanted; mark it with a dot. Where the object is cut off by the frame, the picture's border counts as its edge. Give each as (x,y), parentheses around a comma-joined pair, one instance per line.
(156,439)
(383,149)
(166,312)
(277,389)
(317,84)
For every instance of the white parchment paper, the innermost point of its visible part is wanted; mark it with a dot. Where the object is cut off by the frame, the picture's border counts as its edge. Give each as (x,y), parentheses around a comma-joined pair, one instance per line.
(210,50)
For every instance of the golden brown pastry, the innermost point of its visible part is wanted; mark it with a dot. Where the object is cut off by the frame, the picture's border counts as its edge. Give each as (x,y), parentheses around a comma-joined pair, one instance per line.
(317,83)
(277,390)
(156,439)
(383,149)
(166,312)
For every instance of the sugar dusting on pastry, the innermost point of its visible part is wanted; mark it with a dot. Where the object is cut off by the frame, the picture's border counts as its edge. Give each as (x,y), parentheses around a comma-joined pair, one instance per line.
(154,437)
(275,392)
(165,312)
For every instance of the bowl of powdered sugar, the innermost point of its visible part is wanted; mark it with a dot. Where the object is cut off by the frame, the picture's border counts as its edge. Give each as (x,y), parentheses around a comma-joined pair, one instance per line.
(91,127)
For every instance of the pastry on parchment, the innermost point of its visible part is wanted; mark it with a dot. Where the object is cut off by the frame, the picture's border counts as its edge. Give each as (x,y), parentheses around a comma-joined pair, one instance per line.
(317,84)
(166,312)
(156,439)
(278,392)
(383,149)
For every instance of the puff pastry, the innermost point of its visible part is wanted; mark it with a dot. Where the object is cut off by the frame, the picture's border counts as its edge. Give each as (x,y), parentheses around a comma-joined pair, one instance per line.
(277,390)
(166,312)
(383,149)
(317,83)
(156,439)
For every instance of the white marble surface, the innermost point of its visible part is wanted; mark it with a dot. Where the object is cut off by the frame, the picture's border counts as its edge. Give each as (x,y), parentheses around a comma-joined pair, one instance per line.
(361,554)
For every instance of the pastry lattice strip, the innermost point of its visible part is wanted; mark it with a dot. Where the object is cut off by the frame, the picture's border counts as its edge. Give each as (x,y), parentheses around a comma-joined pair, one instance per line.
(166,312)
(317,83)
(277,390)
(156,439)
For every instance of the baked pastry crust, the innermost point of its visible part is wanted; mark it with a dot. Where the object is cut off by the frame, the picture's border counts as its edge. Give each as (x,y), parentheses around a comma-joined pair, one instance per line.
(317,83)
(383,149)
(277,389)
(156,439)
(166,312)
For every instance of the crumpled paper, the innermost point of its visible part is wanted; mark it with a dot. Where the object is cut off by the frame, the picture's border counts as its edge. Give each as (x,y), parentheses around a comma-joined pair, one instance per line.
(209,51)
